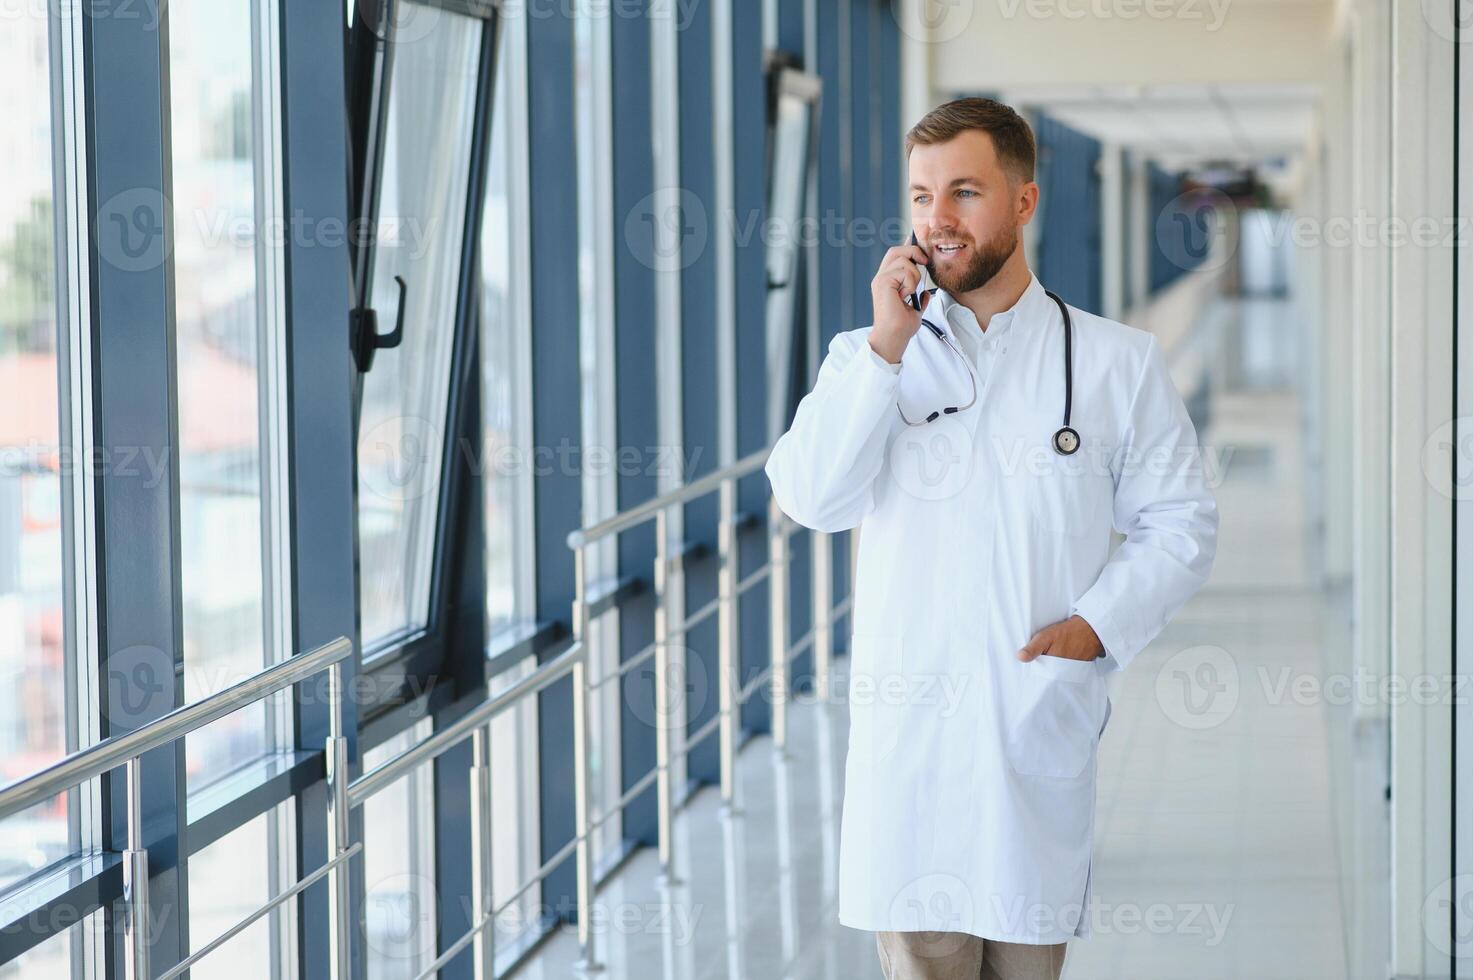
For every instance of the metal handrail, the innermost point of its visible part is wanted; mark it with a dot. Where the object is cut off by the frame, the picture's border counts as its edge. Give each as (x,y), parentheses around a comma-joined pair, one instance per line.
(344,794)
(685,493)
(128,750)
(110,753)
(670,624)
(436,745)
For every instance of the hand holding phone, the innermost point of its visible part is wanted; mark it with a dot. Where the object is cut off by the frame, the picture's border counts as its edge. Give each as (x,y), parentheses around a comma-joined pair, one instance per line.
(899,291)
(913,300)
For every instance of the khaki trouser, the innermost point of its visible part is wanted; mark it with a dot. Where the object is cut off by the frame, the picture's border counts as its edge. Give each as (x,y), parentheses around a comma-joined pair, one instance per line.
(961,956)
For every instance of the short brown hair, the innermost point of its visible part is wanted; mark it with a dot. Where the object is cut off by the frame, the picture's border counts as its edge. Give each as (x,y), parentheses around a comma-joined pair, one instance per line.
(1012,137)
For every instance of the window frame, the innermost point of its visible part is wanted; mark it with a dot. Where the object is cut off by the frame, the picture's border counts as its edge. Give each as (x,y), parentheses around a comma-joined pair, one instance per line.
(371,87)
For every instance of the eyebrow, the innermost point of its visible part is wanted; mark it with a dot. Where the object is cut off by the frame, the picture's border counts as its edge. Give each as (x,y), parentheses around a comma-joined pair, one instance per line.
(954,183)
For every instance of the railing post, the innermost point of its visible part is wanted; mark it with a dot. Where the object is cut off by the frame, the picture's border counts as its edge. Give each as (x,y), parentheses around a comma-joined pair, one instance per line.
(726,628)
(777,581)
(823,612)
(582,818)
(339,927)
(482,897)
(135,880)
(664,710)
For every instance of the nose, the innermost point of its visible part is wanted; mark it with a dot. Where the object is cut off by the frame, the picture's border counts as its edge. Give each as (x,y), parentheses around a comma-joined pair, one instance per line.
(942,222)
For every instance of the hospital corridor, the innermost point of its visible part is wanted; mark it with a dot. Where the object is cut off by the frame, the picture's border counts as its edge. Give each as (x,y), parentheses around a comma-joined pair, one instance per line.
(736,490)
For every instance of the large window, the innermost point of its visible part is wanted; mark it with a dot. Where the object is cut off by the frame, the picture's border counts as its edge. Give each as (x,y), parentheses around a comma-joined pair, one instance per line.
(596,368)
(506,352)
(225,312)
(506,374)
(250,861)
(399,865)
(39,687)
(421,209)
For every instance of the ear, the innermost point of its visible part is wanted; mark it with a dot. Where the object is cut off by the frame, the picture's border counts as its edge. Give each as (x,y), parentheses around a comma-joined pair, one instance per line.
(1027,202)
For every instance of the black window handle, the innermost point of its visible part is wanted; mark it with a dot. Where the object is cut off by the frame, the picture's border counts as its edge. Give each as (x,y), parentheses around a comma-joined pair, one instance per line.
(363,331)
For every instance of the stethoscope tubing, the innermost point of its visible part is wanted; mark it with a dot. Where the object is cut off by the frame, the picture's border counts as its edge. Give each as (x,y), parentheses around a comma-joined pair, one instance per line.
(1066,439)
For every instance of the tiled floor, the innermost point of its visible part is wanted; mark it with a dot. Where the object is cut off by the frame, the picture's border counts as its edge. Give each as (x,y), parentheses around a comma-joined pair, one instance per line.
(1218,850)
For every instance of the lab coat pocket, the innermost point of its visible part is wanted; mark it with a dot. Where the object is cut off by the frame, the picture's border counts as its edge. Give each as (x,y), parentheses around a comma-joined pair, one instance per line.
(877,693)
(1058,718)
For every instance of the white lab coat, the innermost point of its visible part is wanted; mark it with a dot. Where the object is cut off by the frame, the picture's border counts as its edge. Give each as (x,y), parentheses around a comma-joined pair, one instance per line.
(969,803)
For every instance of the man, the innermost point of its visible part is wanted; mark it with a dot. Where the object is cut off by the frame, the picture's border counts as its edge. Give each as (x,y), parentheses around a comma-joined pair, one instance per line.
(987,605)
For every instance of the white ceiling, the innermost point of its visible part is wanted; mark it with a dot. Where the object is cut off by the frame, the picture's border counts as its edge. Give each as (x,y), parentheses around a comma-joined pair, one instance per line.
(1186,81)
(1184,125)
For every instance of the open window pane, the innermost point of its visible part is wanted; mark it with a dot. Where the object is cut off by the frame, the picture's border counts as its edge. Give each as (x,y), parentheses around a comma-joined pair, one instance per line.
(222,313)
(420,236)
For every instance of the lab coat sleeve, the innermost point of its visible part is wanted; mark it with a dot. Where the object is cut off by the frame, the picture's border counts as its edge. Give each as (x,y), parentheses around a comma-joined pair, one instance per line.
(823,469)
(1167,513)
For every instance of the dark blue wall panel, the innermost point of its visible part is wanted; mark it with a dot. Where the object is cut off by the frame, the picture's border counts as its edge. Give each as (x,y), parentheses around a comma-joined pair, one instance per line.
(699,378)
(1069,246)
(556,411)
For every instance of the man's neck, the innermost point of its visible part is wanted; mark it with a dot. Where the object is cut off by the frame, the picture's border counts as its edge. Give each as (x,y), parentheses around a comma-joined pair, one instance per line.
(1001,292)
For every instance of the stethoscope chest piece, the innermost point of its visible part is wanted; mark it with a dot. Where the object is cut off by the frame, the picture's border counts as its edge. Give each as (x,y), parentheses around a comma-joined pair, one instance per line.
(1066,441)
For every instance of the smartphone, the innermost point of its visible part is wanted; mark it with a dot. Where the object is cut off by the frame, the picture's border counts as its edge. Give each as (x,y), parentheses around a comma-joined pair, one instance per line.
(914,299)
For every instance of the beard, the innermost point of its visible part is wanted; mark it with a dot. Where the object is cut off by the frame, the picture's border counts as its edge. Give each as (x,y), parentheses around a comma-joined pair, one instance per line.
(987,260)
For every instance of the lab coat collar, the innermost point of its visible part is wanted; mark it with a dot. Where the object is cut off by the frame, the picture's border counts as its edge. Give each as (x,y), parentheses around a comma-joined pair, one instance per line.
(1033,303)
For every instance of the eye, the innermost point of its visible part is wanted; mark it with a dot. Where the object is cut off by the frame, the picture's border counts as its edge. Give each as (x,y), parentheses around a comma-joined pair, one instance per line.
(919,199)
(966,193)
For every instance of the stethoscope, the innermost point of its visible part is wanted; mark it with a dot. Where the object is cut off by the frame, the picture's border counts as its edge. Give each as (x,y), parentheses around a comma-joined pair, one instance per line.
(1066,440)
